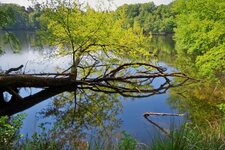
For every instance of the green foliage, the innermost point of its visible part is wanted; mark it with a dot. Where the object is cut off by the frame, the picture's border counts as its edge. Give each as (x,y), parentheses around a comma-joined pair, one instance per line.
(94,111)
(12,40)
(154,19)
(33,15)
(44,140)
(9,130)
(212,62)
(200,33)
(40,141)
(82,33)
(15,17)
(188,99)
(222,108)
(6,16)
(127,142)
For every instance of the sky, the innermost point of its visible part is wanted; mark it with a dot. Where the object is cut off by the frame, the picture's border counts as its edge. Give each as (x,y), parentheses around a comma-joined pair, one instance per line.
(27,3)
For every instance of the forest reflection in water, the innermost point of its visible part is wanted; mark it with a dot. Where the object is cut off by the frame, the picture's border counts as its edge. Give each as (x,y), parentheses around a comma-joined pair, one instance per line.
(202,101)
(103,116)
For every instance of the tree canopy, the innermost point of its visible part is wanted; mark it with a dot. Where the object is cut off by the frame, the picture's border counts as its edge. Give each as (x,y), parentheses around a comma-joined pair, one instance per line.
(152,18)
(15,17)
(200,33)
(81,32)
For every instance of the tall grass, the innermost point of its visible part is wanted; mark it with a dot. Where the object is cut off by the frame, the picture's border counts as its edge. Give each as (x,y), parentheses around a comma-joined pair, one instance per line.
(191,137)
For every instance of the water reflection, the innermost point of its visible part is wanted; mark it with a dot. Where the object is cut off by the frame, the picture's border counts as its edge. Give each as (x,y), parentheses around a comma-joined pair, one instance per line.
(94,117)
(199,101)
(96,114)
(201,98)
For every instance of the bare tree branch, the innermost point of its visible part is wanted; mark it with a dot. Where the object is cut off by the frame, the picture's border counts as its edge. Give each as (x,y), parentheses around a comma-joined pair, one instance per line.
(123,79)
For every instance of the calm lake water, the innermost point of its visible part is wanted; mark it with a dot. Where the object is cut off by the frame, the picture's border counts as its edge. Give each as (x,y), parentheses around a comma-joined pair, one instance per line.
(129,115)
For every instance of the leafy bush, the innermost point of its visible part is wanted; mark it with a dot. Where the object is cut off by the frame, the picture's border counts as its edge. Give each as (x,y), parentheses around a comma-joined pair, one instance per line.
(9,127)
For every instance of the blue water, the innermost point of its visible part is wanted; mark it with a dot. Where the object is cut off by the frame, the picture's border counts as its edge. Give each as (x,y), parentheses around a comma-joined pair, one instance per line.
(133,121)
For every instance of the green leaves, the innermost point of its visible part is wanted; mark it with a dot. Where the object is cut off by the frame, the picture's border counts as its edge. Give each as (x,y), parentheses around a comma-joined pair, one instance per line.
(154,19)
(7,16)
(200,33)
(8,130)
(82,32)
(212,62)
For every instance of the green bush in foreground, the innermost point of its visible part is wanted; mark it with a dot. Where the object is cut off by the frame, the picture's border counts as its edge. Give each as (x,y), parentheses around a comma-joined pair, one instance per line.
(9,127)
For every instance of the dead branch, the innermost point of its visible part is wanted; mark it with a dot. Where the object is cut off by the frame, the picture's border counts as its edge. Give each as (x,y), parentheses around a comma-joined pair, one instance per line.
(147,114)
(159,127)
(123,66)
(14,69)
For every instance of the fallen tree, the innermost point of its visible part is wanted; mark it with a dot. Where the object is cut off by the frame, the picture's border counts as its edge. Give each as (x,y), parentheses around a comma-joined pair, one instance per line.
(117,80)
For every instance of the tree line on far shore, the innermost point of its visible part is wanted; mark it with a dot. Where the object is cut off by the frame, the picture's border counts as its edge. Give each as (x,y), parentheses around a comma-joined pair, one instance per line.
(16,17)
(152,18)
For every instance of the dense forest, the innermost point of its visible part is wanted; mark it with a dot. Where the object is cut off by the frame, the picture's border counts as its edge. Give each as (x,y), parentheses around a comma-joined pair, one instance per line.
(152,18)
(15,17)
(124,35)
(200,34)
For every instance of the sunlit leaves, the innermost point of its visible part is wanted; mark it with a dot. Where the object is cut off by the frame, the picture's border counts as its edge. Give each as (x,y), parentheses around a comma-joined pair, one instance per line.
(200,32)
(83,31)
(83,28)
(213,62)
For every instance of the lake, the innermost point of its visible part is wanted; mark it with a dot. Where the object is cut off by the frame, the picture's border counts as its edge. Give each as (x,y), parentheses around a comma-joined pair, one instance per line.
(105,113)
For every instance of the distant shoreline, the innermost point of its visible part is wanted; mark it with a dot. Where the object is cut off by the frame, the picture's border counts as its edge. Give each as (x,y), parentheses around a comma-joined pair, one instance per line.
(163,34)
(15,30)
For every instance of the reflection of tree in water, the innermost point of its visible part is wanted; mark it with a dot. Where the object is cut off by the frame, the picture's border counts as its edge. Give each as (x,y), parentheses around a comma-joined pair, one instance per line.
(164,48)
(198,102)
(93,107)
(95,116)
(91,111)
(91,103)
(98,73)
